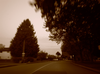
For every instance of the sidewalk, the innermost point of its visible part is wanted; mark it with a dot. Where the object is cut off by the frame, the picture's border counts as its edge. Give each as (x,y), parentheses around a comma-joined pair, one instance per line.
(9,64)
(89,65)
(6,65)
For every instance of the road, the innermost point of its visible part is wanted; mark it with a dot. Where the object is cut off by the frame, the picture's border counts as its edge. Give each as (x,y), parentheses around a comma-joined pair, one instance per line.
(54,67)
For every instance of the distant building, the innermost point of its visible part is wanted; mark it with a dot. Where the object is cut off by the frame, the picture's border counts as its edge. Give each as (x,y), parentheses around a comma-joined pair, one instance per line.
(5,53)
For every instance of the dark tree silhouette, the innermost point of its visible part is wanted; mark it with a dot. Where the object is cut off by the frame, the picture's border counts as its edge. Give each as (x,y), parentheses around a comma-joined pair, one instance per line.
(58,53)
(51,57)
(73,21)
(25,34)
(42,55)
(2,46)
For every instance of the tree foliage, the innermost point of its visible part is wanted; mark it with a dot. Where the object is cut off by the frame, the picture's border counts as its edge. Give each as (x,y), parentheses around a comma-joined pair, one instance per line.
(42,55)
(25,32)
(74,22)
(58,53)
(51,57)
(2,46)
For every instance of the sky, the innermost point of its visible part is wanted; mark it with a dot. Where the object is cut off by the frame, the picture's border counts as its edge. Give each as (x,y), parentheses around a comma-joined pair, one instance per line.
(12,14)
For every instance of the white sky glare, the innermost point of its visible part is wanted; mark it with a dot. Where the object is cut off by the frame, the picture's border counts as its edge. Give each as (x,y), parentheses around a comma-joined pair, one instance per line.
(12,14)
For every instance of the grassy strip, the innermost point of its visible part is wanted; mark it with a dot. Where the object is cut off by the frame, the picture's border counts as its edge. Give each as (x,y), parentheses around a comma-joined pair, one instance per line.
(94,65)
(6,66)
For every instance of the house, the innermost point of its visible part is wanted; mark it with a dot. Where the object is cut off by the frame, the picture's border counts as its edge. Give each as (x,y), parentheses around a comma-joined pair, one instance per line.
(5,53)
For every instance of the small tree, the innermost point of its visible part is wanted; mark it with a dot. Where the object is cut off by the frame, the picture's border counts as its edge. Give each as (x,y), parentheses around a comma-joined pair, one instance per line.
(51,57)
(24,41)
(2,47)
(58,54)
(42,55)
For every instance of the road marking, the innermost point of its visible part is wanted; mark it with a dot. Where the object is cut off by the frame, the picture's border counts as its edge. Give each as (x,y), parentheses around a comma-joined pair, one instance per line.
(41,68)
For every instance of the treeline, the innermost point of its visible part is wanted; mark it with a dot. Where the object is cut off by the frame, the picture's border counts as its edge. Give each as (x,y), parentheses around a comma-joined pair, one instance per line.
(41,56)
(75,23)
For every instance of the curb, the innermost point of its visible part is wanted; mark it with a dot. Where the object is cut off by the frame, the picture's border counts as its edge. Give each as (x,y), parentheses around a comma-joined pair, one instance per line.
(87,67)
(7,66)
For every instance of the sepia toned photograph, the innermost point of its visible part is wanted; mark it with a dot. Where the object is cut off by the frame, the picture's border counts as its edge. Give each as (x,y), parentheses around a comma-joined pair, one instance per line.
(49,36)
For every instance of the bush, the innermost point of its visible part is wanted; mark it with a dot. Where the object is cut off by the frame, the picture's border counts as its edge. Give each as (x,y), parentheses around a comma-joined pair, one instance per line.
(28,59)
(42,55)
(20,60)
(16,59)
(51,57)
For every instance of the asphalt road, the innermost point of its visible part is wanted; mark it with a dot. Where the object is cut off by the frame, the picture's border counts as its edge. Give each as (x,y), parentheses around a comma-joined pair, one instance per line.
(54,67)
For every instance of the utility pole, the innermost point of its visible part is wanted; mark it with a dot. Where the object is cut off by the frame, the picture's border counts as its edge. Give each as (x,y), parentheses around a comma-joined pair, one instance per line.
(23,52)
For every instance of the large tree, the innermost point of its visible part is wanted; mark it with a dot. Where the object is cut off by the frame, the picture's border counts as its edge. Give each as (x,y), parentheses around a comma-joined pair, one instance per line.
(77,20)
(24,39)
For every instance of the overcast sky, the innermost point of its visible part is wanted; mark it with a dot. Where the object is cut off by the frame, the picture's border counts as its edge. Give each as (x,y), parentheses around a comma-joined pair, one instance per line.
(12,14)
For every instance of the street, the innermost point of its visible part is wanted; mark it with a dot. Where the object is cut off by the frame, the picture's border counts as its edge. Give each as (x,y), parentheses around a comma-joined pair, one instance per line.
(53,67)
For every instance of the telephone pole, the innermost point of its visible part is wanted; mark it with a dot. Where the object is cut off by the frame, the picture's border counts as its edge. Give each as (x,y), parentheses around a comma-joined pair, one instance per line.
(23,52)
